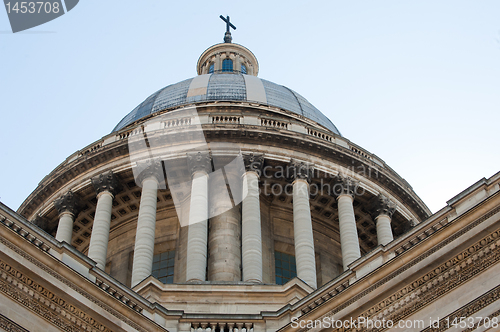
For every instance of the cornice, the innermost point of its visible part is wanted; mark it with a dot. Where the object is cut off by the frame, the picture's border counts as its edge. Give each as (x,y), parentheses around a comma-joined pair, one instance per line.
(242,133)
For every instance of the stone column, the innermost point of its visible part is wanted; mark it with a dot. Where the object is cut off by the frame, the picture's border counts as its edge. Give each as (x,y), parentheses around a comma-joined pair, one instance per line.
(68,206)
(150,175)
(224,231)
(106,186)
(344,189)
(302,225)
(199,165)
(251,238)
(382,211)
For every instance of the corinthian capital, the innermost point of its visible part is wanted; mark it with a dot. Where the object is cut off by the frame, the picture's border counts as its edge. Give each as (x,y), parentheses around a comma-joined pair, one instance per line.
(199,161)
(382,205)
(345,185)
(300,170)
(149,168)
(107,181)
(69,202)
(253,163)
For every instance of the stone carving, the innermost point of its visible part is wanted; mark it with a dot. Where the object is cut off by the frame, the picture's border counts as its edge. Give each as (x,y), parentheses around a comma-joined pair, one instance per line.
(148,168)
(444,278)
(382,205)
(254,163)
(199,161)
(107,181)
(10,326)
(80,290)
(345,185)
(300,170)
(407,266)
(69,202)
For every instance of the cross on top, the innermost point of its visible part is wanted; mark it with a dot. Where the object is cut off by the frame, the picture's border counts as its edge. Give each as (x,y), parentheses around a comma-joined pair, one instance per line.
(227,36)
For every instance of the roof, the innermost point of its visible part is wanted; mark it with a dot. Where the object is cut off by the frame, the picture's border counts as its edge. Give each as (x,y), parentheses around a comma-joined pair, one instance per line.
(226,86)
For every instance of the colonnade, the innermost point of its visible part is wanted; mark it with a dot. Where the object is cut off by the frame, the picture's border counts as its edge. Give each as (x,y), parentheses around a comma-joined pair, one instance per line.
(224,247)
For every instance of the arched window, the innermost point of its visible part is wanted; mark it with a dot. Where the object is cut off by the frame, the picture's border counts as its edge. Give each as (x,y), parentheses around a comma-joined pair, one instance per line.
(243,69)
(227,65)
(211,68)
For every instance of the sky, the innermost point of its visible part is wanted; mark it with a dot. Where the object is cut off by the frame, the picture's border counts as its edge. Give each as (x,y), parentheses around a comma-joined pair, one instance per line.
(415,82)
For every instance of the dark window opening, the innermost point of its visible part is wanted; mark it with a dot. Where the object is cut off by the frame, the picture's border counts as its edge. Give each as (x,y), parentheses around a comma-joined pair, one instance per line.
(163,267)
(227,65)
(285,268)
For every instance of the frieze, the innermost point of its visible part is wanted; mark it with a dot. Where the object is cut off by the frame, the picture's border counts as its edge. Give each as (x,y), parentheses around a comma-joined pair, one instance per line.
(76,288)
(10,326)
(468,310)
(43,302)
(441,280)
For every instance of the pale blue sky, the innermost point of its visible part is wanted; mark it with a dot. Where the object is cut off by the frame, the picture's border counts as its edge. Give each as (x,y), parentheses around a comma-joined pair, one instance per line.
(415,82)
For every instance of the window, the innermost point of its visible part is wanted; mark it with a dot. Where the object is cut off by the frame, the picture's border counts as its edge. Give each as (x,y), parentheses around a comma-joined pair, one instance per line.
(227,65)
(285,269)
(243,69)
(211,68)
(163,267)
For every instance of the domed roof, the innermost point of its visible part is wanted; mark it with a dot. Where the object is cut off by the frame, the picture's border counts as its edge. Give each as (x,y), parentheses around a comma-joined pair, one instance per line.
(227,86)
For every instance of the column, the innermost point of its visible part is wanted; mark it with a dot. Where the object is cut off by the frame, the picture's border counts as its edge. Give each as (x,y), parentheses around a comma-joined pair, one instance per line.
(151,173)
(106,186)
(251,236)
(68,206)
(224,230)
(199,165)
(382,211)
(344,189)
(302,225)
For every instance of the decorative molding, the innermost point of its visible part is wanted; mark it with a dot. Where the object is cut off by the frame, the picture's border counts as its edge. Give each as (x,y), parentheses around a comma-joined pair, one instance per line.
(199,161)
(439,281)
(308,307)
(468,310)
(68,202)
(46,304)
(106,182)
(10,326)
(80,290)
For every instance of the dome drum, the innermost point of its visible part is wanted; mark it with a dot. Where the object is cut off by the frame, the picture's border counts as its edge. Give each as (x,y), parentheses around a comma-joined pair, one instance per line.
(207,197)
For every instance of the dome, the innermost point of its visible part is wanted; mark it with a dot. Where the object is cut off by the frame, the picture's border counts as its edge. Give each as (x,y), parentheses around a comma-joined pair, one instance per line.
(230,87)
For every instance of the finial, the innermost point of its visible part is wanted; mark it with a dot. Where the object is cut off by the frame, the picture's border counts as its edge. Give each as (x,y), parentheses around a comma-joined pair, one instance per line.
(227,36)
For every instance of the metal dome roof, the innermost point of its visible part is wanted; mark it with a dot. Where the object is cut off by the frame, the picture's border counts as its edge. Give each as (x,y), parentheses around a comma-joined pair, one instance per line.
(227,86)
